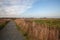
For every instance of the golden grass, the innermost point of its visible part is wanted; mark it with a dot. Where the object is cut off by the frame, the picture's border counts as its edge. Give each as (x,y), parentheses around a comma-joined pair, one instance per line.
(39,29)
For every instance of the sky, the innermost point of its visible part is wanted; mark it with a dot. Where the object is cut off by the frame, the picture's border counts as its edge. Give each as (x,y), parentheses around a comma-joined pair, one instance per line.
(30,8)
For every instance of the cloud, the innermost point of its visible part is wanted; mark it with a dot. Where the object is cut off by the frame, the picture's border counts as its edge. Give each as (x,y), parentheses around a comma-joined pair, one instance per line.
(14,7)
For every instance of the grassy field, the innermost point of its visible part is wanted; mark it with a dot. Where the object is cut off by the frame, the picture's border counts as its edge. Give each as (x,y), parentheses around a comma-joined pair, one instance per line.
(50,22)
(39,29)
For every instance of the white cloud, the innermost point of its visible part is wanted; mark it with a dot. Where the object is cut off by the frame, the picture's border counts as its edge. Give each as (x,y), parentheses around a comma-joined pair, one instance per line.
(14,7)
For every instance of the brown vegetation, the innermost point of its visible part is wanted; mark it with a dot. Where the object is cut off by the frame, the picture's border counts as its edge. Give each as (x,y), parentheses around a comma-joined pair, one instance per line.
(40,29)
(3,22)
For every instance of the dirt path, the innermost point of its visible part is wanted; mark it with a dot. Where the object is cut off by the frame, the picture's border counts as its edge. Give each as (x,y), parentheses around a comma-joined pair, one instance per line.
(10,32)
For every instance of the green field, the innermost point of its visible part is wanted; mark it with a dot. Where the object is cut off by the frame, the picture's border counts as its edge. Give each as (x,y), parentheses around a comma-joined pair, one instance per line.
(49,22)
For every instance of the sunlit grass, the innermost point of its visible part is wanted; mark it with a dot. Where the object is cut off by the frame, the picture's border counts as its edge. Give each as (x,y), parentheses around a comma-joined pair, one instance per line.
(49,22)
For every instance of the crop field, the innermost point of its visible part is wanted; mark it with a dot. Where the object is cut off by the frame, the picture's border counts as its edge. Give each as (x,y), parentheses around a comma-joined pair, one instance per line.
(39,29)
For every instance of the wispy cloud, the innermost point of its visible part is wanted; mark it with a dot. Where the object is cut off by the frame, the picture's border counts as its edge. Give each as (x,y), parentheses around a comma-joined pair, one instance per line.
(14,7)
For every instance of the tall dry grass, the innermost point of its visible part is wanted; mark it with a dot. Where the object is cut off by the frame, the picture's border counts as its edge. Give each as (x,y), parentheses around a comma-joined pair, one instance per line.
(40,29)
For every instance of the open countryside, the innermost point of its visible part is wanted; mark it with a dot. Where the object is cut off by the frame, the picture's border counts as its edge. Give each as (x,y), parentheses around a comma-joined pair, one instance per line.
(31,29)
